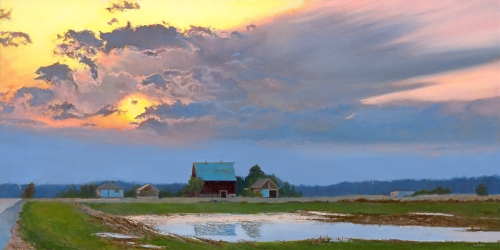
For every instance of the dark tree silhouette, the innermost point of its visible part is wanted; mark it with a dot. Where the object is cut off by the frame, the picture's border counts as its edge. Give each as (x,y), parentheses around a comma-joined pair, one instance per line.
(482,190)
(29,192)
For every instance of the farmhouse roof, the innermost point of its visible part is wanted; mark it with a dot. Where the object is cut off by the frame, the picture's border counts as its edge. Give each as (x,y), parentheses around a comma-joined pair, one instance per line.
(215,171)
(109,186)
(141,188)
(261,182)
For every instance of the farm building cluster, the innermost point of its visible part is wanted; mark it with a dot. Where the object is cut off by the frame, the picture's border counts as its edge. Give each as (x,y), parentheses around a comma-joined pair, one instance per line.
(219,180)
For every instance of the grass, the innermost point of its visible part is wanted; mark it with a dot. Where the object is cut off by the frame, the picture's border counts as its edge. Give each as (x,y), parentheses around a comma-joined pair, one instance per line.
(59,225)
(471,210)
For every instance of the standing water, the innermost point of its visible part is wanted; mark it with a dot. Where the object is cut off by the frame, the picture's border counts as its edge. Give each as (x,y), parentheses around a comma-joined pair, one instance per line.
(278,227)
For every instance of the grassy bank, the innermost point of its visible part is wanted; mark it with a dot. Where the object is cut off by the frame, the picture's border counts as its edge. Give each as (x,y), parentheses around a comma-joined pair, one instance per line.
(59,225)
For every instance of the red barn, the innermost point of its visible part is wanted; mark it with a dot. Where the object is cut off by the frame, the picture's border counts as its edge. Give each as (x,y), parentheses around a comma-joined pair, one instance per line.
(219,178)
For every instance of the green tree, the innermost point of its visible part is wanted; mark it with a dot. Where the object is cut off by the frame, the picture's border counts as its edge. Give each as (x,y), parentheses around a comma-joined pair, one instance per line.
(88,191)
(132,192)
(482,190)
(29,192)
(72,192)
(195,185)
(254,174)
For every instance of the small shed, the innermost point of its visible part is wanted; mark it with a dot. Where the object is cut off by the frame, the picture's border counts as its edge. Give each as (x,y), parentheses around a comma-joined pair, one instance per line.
(219,178)
(266,187)
(109,190)
(148,191)
(399,194)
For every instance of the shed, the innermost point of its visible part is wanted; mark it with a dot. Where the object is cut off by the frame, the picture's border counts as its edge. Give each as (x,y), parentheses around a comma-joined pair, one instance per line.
(219,178)
(266,187)
(399,194)
(109,190)
(148,191)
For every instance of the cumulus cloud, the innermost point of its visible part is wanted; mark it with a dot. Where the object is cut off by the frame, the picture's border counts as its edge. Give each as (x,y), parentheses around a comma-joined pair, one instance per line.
(324,74)
(157,36)
(56,73)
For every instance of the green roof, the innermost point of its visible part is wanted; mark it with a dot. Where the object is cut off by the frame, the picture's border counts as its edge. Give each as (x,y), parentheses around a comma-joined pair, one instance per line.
(215,171)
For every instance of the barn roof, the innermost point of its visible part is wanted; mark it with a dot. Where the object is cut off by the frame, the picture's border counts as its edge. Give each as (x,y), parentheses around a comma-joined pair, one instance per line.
(261,182)
(110,185)
(141,188)
(215,171)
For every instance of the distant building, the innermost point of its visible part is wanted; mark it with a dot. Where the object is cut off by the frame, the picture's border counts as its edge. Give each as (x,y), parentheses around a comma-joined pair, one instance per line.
(148,191)
(266,187)
(109,190)
(219,178)
(399,194)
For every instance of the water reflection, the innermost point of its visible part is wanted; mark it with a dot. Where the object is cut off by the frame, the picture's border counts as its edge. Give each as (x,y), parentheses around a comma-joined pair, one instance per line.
(220,229)
(252,229)
(277,231)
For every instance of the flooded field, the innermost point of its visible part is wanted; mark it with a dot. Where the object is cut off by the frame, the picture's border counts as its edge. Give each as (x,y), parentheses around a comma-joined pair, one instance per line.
(298,226)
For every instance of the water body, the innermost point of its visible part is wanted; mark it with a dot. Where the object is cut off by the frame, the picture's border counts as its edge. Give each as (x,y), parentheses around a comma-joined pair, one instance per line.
(9,214)
(233,228)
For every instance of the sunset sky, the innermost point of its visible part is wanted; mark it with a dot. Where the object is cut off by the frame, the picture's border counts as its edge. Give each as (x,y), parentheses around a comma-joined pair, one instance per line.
(316,92)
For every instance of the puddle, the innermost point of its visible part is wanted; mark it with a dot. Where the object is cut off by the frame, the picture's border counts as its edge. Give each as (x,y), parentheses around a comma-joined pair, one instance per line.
(288,226)
(115,236)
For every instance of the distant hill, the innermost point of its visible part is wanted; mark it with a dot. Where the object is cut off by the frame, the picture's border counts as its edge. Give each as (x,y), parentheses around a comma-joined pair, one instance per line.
(461,185)
(51,190)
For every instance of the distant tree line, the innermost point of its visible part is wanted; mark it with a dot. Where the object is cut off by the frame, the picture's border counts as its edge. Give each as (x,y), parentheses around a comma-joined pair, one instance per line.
(439,190)
(463,185)
(85,191)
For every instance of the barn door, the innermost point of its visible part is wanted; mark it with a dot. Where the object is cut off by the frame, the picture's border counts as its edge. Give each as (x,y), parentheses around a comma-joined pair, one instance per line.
(272,194)
(223,194)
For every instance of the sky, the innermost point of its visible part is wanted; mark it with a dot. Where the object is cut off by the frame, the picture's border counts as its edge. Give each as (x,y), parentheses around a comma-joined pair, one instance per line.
(316,92)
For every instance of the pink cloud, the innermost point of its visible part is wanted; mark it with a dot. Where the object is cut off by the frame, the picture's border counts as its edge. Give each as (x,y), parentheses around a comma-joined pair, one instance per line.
(466,85)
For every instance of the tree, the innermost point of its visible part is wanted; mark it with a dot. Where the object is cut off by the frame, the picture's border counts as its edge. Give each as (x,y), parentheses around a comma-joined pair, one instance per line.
(88,191)
(254,174)
(481,190)
(132,192)
(195,184)
(29,192)
(70,193)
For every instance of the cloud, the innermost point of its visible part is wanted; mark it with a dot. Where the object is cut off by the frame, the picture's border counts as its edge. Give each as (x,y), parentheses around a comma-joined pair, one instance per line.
(178,110)
(5,14)
(93,67)
(449,86)
(63,111)
(37,96)
(157,80)
(56,73)
(334,72)
(154,125)
(13,38)
(7,109)
(158,36)
(123,6)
